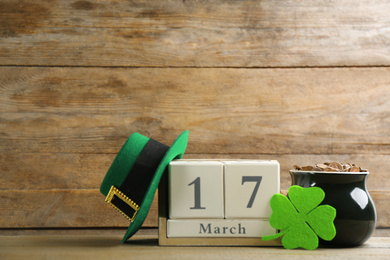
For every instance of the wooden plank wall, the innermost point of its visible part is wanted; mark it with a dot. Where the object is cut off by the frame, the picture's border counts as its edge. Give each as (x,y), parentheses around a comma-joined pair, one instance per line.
(299,81)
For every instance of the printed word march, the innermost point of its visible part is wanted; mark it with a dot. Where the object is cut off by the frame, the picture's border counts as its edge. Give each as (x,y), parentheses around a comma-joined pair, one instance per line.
(217,230)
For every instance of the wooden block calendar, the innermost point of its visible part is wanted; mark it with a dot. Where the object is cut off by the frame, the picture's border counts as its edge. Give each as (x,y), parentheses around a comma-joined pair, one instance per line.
(217,202)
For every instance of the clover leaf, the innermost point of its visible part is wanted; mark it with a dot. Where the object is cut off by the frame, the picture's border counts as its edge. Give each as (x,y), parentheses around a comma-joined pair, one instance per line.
(301,219)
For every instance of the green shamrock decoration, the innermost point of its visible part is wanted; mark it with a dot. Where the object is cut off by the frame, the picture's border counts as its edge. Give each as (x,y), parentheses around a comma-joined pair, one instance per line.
(301,219)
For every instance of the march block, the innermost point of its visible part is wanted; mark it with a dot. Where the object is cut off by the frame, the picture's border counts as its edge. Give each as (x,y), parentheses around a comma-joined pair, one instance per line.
(219,228)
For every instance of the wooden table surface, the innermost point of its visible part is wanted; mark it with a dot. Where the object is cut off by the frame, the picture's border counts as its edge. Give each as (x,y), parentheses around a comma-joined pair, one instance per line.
(144,245)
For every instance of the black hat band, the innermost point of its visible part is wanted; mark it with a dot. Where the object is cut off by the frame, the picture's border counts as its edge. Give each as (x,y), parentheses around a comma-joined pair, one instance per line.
(133,189)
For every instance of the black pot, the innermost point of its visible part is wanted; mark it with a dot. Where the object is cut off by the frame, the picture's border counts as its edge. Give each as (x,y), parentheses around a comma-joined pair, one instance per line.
(347,192)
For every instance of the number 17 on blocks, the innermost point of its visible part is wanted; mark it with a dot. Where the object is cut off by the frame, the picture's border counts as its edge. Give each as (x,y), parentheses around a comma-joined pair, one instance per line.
(221,198)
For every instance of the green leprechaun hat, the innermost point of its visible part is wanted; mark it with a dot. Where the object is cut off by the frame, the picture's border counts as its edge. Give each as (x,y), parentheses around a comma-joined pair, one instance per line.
(133,178)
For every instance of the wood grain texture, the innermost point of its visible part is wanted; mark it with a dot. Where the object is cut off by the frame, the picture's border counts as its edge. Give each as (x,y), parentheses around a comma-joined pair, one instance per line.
(117,231)
(255,111)
(145,247)
(61,128)
(195,33)
(301,82)
(60,190)
(86,171)
(62,209)
(86,208)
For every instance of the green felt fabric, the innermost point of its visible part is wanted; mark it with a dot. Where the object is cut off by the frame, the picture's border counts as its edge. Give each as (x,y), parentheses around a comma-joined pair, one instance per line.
(176,151)
(301,219)
(124,162)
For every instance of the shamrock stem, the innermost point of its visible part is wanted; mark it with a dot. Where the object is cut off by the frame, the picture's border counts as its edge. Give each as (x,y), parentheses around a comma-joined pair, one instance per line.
(272,237)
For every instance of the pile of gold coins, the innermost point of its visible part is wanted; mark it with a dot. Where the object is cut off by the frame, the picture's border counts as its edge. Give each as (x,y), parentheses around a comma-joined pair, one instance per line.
(331,167)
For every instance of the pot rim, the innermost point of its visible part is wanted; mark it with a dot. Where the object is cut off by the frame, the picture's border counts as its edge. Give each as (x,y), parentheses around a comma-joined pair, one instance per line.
(331,173)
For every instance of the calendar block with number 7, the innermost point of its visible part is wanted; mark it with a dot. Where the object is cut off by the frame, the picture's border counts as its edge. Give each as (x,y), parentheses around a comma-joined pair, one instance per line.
(217,202)
(249,186)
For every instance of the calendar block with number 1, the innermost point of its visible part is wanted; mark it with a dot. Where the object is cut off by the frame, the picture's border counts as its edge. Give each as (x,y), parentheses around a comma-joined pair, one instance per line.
(217,202)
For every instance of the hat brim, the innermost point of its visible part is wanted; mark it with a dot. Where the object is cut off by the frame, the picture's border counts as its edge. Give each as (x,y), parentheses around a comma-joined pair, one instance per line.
(176,151)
